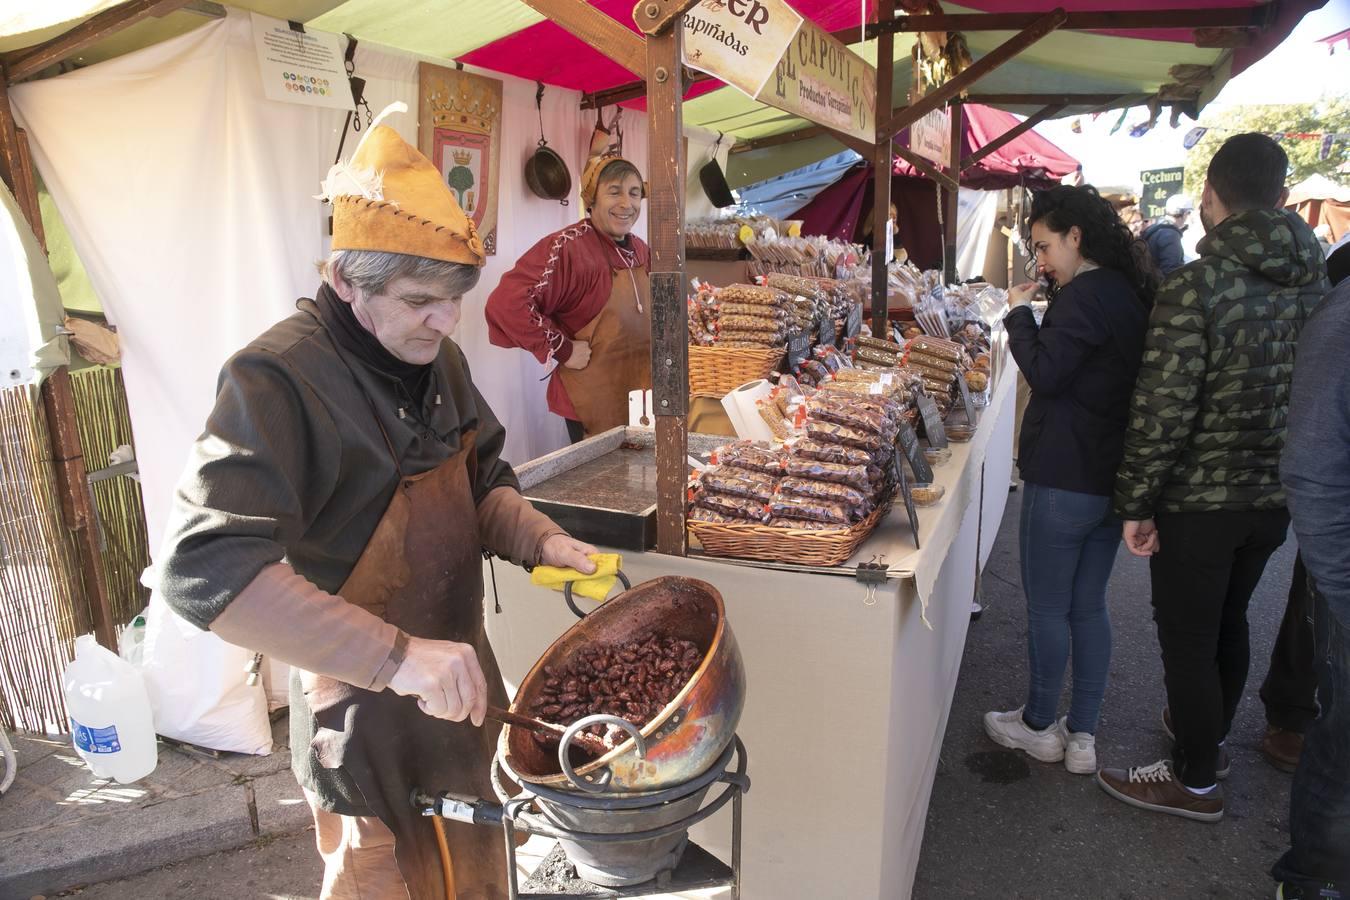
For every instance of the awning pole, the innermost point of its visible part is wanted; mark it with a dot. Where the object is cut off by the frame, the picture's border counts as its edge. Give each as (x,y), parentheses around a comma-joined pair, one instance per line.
(881,175)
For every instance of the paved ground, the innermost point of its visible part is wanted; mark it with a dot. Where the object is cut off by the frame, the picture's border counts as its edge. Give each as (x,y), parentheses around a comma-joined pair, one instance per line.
(1002,825)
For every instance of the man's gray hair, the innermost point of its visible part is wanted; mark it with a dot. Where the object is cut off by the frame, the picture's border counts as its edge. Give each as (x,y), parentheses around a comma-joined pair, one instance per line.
(370,271)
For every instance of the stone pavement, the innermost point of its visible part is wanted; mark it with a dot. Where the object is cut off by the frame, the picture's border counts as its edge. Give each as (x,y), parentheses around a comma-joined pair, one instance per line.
(60,826)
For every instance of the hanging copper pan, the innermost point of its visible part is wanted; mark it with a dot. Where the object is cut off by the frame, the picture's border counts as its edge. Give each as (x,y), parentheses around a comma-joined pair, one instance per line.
(545,172)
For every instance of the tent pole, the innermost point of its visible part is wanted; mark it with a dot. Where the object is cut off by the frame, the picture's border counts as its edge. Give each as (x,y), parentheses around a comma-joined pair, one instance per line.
(31,60)
(665,217)
(77,502)
(881,175)
(952,196)
(1010,135)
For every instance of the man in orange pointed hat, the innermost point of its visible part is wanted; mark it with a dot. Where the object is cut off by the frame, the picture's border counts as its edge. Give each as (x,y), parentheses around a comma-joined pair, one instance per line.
(332,515)
(580,297)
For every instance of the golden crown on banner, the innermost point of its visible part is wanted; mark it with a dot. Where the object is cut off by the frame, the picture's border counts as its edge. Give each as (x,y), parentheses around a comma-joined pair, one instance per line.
(465,109)
(461,157)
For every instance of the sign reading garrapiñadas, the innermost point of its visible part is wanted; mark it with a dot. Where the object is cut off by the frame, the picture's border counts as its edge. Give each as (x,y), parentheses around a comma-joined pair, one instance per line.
(768,51)
(739,41)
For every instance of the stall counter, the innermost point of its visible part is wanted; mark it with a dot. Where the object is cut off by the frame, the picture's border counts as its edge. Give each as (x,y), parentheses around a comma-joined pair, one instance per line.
(849,685)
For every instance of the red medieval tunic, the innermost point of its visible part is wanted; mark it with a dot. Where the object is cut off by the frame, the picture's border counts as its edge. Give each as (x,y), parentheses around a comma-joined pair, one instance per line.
(558,291)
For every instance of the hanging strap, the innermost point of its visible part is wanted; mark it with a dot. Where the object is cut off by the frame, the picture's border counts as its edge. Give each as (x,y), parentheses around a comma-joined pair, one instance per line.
(539,108)
(358,86)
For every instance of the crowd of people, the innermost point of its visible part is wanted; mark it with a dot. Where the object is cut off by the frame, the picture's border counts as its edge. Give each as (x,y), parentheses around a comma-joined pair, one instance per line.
(1168,410)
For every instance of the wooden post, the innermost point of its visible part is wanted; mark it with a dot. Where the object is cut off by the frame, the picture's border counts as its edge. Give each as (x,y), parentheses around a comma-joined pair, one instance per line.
(881,180)
(670,333)
(77,501)
(952,197)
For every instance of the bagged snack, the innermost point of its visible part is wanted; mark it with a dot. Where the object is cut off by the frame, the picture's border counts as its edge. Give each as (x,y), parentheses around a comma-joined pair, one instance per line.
(789,507)
(703,514)
(836,473)
(771,313)
(749,293)
(852,497)
(855,415)
(831,432)
(846,457)
(750,456)
(936,347)
(804,525)
(773,418)
(742,507)
(739,482)
(727,323)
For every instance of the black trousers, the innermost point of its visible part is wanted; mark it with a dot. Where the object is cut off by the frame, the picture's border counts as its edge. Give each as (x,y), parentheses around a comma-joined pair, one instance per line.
(576,432)
(1290,689)
(1203,578)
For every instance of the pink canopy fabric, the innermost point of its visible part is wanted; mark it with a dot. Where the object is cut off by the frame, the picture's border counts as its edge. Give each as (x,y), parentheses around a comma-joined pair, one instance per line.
(1029,160)
(545,52)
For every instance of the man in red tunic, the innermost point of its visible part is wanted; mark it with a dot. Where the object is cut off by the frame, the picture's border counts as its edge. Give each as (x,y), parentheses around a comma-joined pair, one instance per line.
(580,296)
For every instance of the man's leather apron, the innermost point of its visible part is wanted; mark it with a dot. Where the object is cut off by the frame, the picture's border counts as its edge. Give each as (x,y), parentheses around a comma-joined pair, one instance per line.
(621,354)
(421,571)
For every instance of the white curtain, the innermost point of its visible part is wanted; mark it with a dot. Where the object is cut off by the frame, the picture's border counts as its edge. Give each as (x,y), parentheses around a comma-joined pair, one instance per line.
(189,197)
(974,225)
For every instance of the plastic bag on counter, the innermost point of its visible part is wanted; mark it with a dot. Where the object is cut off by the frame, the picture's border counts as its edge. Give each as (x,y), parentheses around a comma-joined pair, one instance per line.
(854,499)
(740,507)
(749,455)
(820,451)
(831,432)
(790,507)
(805,524)
(739,482)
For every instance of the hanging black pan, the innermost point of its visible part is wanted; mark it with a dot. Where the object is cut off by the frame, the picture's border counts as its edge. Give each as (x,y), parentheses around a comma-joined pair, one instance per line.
(545,172)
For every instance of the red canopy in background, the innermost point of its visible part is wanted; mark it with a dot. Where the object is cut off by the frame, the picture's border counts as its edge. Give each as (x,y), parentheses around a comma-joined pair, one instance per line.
(1030,160)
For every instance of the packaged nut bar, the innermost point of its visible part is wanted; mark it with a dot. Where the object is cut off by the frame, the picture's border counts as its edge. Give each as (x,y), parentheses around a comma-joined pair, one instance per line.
(747,323)
(771,313)
(766,338)
(851,497)
(742,507)
(739,482)
(847,457)
(804,525)
(832,408)
(926,371)
(838,473)
(795,284)
(879,344)
(746,455)
(773,418)
(788,507)
(750,344)
(749,293)
(831,432)
(877,357)
(937,347)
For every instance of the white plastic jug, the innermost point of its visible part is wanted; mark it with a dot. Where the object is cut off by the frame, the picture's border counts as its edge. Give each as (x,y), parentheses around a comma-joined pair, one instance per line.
(110,716)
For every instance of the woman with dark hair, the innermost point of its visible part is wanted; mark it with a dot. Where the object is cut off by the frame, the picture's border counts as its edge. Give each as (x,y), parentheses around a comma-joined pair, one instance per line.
(1080,363)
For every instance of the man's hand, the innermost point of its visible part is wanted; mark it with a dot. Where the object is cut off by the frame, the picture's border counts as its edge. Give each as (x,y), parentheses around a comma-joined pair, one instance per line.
(1141,538)
(445,678)
(581,355)
(1021,294)
(567,553)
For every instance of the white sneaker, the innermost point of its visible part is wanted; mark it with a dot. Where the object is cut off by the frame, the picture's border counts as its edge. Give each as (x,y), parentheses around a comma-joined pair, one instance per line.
(1008,729)
(1080,749)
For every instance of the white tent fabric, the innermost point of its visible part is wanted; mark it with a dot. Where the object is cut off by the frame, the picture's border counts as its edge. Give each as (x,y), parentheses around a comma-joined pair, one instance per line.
(974,225)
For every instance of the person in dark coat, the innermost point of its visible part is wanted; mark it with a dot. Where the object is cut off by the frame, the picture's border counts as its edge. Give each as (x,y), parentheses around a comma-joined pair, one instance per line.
(1164,236)
(1081,364)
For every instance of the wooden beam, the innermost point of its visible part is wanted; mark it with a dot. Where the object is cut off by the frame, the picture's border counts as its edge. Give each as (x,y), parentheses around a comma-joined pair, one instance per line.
(981,67)
(925,167)
(31,60)
(952,198)
(881,181)
(11,157)
(591,26)
(25,176)
(633,90)
(773,140)
(1010,135)
(670,339)
(1115,20)
(658,16)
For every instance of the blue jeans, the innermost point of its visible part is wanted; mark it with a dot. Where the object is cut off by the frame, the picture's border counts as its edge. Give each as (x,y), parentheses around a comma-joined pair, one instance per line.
(1319,807)
(1068,542)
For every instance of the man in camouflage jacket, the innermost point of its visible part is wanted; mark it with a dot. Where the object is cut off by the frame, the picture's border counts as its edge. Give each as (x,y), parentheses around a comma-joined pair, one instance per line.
(1199,487)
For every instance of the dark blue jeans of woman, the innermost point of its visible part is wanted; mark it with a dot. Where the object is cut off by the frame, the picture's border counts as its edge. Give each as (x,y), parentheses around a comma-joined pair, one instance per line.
(1068,543)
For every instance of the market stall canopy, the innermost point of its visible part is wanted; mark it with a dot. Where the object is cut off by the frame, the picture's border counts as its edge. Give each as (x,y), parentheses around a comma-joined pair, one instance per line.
(1092,69)
(1318,187)
(1028,159)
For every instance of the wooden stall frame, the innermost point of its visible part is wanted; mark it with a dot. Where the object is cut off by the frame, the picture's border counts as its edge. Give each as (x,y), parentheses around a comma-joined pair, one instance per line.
(656,58)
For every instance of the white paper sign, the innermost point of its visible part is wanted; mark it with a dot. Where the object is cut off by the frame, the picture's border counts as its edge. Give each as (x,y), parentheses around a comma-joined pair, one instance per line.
(301,66)
(739,41)
(931,137)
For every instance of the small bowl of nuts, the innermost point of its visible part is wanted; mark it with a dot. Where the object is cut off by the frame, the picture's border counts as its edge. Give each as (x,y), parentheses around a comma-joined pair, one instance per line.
(959,432)
(936,456)
(925,494)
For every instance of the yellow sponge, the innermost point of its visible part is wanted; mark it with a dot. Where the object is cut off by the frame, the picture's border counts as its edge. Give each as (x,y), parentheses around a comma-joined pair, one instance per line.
(594,587)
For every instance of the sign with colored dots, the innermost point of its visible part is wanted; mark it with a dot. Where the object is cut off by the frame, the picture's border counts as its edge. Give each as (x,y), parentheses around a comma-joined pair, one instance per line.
(300,65)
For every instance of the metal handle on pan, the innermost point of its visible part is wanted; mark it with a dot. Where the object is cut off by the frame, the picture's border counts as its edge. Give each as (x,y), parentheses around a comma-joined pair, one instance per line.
(571,604)
(601,778)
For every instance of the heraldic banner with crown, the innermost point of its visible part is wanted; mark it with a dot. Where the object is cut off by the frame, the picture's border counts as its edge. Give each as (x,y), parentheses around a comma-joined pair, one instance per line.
(459,130)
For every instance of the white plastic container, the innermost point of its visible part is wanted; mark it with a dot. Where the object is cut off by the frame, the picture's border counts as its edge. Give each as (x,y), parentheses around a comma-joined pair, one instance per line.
(110,718)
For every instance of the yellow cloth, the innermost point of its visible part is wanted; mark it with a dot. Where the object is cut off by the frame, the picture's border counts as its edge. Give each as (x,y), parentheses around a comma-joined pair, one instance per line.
(593,587)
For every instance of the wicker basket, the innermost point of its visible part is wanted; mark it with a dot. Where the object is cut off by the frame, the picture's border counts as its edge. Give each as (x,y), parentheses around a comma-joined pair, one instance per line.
(785,545)
(717,371)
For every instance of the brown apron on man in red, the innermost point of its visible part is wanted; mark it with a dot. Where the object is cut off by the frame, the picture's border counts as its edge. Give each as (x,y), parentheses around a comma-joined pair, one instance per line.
(620,338)
(421,571)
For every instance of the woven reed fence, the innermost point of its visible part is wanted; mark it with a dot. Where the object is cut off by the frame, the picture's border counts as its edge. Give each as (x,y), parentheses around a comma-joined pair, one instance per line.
(104,424)
(39,575)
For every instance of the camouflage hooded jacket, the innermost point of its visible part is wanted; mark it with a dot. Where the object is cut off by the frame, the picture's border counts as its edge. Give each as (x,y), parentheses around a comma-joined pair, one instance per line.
(1208,413)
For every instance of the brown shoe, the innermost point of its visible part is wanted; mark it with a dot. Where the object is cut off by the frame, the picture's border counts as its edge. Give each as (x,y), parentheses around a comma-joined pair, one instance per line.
(1154,788)
(1282,748)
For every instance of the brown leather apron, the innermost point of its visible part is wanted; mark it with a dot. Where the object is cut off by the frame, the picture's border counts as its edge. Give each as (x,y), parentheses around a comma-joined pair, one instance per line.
(421,571)
(621,354)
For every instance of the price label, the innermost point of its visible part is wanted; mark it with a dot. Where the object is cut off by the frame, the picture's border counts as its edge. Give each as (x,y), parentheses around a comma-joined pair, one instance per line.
(853,327)
(908,442)
(799,350)
(966,399)
(932,422)
(827,333)
(909,501)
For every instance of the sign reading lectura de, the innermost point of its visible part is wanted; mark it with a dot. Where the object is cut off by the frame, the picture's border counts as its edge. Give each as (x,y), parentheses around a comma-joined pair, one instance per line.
(768,51)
